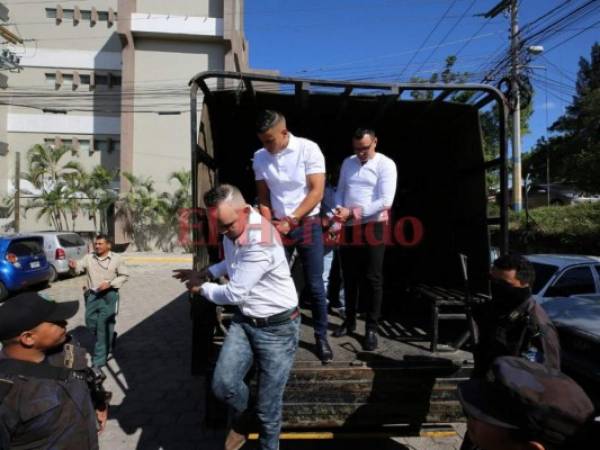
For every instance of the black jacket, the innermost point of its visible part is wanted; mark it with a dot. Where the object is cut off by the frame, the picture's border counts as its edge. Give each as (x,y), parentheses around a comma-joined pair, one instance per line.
(42,413)
(527,332)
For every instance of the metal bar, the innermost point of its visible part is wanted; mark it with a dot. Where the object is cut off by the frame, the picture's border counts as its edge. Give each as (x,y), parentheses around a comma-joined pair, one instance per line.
(492,163)
(194,158)
(345,84)
(443,96)
(502,112)
(484,101)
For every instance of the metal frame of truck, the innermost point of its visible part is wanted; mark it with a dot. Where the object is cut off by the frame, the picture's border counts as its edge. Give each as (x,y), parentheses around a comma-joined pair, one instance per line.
(300,89)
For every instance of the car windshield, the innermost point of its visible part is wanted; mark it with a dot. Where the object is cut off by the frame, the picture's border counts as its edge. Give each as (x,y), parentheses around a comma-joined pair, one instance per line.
(543,272)
(26,247)
(70,240)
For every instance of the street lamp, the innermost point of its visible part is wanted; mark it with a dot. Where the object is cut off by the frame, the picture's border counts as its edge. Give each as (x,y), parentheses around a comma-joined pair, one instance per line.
(538,50)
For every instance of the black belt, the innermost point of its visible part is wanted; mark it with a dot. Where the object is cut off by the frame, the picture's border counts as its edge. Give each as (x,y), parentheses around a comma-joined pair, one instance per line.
(276,319)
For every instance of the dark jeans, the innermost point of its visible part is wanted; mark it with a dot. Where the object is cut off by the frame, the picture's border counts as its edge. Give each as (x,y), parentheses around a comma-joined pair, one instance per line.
(362,252)
(100,316)
(308,240)
(273,349)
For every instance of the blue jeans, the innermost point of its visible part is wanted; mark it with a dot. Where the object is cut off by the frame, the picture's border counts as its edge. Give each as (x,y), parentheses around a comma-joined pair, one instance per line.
(308,240)
(273,349)
(331,280)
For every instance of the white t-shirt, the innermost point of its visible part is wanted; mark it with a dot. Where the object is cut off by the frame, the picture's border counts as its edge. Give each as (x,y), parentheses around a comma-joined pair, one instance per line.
(260,283)
(370,187)
(285,173)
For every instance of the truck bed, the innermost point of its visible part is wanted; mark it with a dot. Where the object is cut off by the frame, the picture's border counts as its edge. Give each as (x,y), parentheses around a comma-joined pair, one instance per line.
(402,383)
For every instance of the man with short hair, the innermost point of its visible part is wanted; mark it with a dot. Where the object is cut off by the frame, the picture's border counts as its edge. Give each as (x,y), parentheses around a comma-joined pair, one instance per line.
(513,324)
(290,180)
(523,405)
(365,194)
(106,274)
(45,400)
(265,327)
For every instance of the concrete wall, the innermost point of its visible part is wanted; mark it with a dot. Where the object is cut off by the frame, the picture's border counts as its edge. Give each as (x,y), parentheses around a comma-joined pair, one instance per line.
(167,148)
(206,8)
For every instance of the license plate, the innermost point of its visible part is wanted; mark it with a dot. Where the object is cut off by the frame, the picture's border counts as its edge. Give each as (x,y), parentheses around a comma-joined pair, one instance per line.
(34,264)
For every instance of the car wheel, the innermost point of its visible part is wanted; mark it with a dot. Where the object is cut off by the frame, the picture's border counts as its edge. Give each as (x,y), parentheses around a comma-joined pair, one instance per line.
(53,275)
(3,292)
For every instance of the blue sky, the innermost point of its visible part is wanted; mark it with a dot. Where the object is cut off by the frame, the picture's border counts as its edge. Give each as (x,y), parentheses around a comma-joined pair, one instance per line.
(379,39)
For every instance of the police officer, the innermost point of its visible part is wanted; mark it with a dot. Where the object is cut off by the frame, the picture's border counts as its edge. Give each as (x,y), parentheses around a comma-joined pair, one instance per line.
(513,324)
(523,405)
(45,399)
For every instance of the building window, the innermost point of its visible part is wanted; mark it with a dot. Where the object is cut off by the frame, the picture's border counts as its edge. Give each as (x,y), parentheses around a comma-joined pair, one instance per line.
(101,80)
(67,79)
(108,145)
(85,80)
(90,15)
(84,145)
(51,80)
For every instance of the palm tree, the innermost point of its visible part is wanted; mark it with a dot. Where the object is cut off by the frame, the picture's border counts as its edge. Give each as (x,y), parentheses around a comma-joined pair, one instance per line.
(172,206)
(44,165)
(100,196)
(50,203)
(139,209)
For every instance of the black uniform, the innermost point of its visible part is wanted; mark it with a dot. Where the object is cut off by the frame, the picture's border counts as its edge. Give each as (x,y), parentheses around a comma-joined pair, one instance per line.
(47,409)
(527,332)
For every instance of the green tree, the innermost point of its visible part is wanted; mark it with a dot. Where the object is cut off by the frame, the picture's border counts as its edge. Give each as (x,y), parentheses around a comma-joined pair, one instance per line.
(574,152)
(172,205)
(139,210)
(100,196)
(488,119)
(56,179)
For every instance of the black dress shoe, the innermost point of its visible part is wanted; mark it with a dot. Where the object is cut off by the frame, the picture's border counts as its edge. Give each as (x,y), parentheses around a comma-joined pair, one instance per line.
(370,342)
(324,350)
(345,328)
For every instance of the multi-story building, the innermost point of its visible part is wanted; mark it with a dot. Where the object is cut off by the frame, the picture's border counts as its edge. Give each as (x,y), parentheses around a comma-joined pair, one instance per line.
(109,78)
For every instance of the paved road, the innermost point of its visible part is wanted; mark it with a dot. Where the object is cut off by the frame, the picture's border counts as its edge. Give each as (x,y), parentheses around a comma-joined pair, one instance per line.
(157,404)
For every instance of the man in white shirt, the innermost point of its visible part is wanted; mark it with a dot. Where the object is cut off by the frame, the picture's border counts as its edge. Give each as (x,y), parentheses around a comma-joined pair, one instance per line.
(265,329)
(290,180)
(365,194)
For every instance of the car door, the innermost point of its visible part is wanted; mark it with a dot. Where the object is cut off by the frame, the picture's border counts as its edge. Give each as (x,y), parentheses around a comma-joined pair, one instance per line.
(573,281)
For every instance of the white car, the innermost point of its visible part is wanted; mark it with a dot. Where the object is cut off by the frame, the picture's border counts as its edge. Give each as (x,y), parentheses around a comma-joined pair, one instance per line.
(564,275)
(59,247)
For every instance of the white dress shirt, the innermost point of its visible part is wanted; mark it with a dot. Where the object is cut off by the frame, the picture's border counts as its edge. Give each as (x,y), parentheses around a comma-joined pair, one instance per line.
(369,187)
(260,283)
(285,173)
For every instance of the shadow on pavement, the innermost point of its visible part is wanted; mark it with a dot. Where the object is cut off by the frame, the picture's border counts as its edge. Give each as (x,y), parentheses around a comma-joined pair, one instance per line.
(151,364)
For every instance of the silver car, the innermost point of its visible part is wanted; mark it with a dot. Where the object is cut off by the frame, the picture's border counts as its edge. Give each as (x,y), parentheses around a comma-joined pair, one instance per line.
(60,246)
(564,275)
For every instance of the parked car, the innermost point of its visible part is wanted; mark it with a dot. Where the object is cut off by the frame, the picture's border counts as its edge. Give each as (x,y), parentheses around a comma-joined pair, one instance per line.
(564,275)
(22,263)
(59,247)
(536,195)
(577,320)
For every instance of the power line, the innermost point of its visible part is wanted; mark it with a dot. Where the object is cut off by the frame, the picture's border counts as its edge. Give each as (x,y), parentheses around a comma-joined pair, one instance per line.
(427,38)
(447,34)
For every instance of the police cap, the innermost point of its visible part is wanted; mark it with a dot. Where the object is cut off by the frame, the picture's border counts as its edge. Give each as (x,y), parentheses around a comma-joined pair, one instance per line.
(27,310)
(542,403)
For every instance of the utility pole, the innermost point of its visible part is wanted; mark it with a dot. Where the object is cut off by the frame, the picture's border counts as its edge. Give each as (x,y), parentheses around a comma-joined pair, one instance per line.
(17,202)
(516,137)
(515,101)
